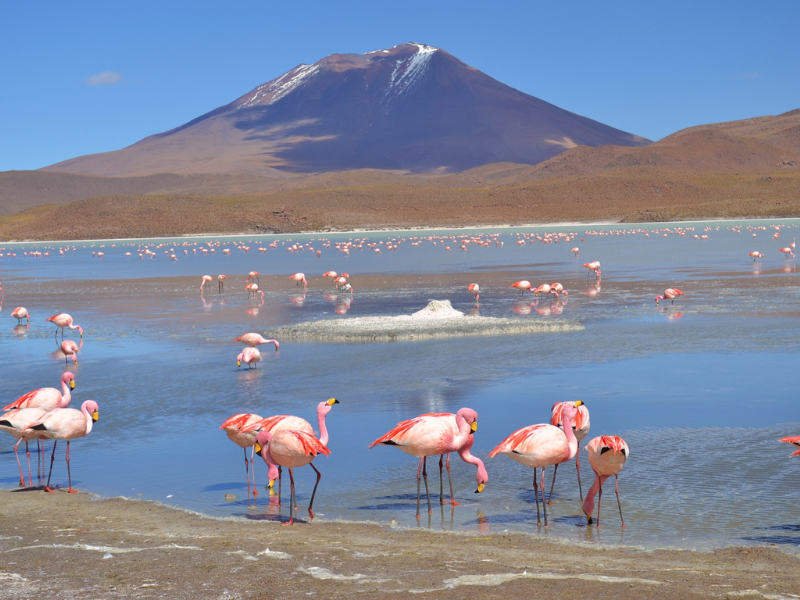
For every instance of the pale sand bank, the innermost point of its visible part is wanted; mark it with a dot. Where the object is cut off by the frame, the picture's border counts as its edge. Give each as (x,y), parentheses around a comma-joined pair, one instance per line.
(437,320)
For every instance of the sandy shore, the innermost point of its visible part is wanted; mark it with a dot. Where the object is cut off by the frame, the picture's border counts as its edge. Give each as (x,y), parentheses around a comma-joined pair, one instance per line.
(75,546)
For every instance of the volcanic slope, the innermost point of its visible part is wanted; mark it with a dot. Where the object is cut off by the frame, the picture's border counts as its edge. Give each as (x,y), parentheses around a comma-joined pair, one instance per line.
(411,108)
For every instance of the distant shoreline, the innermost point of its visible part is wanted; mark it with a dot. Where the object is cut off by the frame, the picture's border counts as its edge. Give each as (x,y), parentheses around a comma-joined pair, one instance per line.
(563,224)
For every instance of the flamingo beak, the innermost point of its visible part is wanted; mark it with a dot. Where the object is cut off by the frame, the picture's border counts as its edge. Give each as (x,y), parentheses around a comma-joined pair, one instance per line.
(474,427)
(238,363)
(257,448)
(578,403)
(588,519)
(332,401)
(72,384)
(95,416)
(480,488)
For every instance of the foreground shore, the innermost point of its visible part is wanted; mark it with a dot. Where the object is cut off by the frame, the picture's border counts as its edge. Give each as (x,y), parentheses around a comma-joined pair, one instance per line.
(74,546)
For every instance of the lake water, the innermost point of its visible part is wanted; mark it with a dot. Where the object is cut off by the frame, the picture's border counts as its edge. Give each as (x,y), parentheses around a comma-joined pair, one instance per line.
(701,390)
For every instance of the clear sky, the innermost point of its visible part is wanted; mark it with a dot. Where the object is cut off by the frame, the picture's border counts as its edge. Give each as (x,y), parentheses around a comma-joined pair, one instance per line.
(85,77)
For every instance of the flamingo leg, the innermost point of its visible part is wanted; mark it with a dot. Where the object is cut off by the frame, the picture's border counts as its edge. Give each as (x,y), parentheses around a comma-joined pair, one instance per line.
(578,467)
(616,477)
(425,478)
(21,476)
(552,485)
(314,493)
(441,482)
(536,495)
(52,460)
(28,453)
(544,504)
(247,470)
(450,479)
(291,498)
(599,502)
(69,474)
(419,469)
(280,479)
(252,469)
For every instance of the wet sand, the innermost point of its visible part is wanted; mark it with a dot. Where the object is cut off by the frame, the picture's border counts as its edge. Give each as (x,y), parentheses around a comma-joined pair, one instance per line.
(75,546)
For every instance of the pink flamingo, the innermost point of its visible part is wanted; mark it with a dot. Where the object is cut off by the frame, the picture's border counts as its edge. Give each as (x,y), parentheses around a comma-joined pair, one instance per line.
(253,275)
(300,278)
(15,422)
(580,426)
(607,455)
(594,267)
(70,350)
(475,290)
(46,398)
(755,254)
(290,449)
(787,252)
(540,446)
(792,440)
(670,294)
(66,424)
(250,356)
(522,286)
(221,282)
(278,423)
(253,290)
(62,321)
(206,279)
(543,289)
(340,281)
(256,339)
(332,274)
(432,434)
(557,288)
(20,313)
(576,251)
(234,428)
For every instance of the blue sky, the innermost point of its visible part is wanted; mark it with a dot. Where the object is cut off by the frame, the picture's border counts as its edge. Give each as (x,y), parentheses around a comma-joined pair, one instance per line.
(86,77)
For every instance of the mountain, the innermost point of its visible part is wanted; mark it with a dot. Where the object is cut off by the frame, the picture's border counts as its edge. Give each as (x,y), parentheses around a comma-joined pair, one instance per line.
(411,108)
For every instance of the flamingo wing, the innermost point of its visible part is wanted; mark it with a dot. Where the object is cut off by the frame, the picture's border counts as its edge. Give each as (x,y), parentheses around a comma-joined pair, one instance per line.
(20,402)
(516,439)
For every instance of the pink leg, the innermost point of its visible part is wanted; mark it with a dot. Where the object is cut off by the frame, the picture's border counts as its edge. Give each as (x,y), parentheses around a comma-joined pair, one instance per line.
(247,470)
(599,501)
(69,474)
(21,476)
(536,495)
(578,467)
(419,470)
(450,479)
(425,478)
(28,453)
(544,504)
(314,493)
(253,470)
(291,498)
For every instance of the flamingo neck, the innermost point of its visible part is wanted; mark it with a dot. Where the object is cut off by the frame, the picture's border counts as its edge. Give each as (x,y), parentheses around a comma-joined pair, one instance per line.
(588,503)
(571,439)
(466,456)
(322,411)
(273,467)
(66,395)
(464,431)
(89,420)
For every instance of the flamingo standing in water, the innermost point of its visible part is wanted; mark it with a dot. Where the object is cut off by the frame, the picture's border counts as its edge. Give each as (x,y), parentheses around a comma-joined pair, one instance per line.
(300,278)
(46,398)
(221,282)
(256,339)
(557,288)
(755,254)
(15,422)
(206,279)
(70,350)
(670,294)
(290,449)
(522,286)
(594,267)
(475,290)
(66,424)
(787,252)
(62,321)
(332,274)
(278,423)
(607,455)
(250,356)
(792,440)
(580,426)
(252,289)
(20,313)
(576,251)
(234,428)
(541,446)
(432,434)
(253,275)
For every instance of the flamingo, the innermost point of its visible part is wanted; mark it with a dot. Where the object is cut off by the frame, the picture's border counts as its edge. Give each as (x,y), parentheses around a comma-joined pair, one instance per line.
(234,428)
(607,455)
(256,339)
(291,423)
(253,275)
(290,449)
(580,426)
(670,294)
(249,355)
(66,424)
(62,321)
(332,274)
(221,282)
(15,422)
(475,290)
(340,281)
(787,252)
(252,289)
(46,398)
(432,434)
(20,313)
(593,266)
(543,289)
(576,251)
(299,278)
(792,440)
(206,279)
(347,288)
(557,288)
(522,286)
(755,254)
(540,446)
(70,349)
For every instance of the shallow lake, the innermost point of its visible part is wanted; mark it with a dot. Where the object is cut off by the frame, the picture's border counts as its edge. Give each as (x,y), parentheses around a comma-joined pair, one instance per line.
(701,390)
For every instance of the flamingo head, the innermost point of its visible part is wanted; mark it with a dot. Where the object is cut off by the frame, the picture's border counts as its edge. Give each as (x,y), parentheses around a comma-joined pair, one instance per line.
(659,298)
(325,407)
(471,418)
(91,407)
(482,477)
(68,379)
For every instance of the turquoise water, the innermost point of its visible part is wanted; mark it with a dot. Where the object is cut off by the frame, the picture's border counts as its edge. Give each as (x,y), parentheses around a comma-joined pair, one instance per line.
(701,390)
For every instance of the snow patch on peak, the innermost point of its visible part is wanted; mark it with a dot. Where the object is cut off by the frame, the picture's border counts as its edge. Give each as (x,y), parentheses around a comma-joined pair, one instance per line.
(409,70)
(271,92)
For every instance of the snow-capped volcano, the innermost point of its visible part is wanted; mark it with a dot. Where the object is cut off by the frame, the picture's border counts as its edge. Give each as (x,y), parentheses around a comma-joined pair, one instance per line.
(411,107)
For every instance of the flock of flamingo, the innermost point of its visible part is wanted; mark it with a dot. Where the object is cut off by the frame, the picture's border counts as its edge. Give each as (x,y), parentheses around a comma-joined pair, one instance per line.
(286,441)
